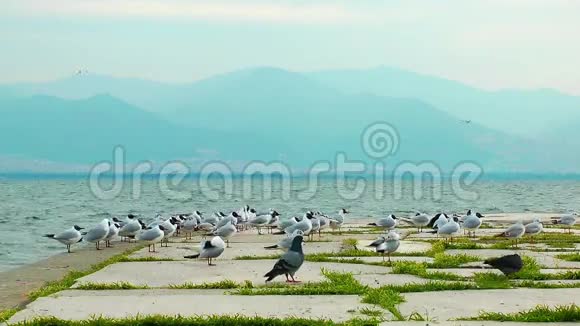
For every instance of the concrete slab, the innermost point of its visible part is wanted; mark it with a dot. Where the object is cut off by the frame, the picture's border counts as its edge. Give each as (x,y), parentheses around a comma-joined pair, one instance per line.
(164,274)
(406,246)
(79,305)
(447,305)
(379,259)
(463,272)
(178,250)
(375,280)
(543,258)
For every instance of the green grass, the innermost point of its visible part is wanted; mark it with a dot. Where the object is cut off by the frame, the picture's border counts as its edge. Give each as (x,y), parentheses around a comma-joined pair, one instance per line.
(335,284)
(349,243)
(385,298)
(544,285)
(376,313)
(236,320)
(569,257)
(226,284)
(7,314)
(489,280)
(69,279)
(531,271)
(420,269)
(127,259)
(110,286)
(431,286)
(443,260)
(541,313)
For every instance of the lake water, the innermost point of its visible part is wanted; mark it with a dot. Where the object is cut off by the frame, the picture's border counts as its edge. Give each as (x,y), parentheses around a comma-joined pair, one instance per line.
(31,207)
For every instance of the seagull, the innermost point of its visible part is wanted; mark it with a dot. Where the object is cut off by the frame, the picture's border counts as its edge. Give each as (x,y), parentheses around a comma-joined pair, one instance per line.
(152,236)
(514,232)
(226,232)
(98,233)
(68,237)
(113,232)
(419,220)
(289,263)
(534,228)
(283,224)
(450,228)
(387,244)
(305,225)
(210,249)
(169,229)
(286,242)
(466,121)
(315,227)
(336,222)
(568,220)
(388,222)
(131,228)
(507,264)
(322,220)
(471,223)
(262,219)
(189,226)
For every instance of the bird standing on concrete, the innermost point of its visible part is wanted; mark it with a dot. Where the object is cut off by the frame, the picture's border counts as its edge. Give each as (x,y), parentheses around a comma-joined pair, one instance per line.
(507,264)
(289,263)
(210,249)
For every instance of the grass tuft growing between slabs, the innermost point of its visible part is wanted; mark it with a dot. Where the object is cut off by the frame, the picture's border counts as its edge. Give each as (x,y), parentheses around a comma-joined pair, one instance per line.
(420,269)
(226,284)
(541,313)
(375,313)
(531,271)
(70,278)
(349,243)
(489,280)
(110,286)
(236,320)
(569,257)
(443,260)
(385,298)
(7,314)
(335,284)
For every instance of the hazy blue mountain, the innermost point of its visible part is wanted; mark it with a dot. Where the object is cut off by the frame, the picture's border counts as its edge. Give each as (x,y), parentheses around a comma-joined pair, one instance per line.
(254,114)
(530,113)
(86,131)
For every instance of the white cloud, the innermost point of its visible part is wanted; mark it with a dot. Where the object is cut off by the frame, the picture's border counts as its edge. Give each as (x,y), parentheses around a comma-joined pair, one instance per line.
(178,9)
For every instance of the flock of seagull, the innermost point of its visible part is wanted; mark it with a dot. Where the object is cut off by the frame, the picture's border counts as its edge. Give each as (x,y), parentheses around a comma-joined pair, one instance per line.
(222,227)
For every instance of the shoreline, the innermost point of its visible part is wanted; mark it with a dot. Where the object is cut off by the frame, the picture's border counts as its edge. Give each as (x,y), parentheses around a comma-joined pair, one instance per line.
(16,283)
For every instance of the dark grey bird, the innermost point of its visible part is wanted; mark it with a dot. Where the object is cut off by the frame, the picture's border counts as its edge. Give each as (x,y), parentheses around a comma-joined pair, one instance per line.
(507,264)
(289,263)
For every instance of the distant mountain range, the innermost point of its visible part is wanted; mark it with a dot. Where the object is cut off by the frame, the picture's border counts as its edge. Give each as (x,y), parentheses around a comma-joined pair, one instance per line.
(272,114)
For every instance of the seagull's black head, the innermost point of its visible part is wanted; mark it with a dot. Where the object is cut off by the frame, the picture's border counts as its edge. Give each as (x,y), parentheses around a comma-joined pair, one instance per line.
(252,210)
(161,227)
(131,216)
(468,212)
(274,213)
(116,219)
(309,215)
(198,213)
(222,214)
(143,226)
(479,215)
(78,228)
(393,216)
(109,223)
(344,211)
(234,214)
(117,225)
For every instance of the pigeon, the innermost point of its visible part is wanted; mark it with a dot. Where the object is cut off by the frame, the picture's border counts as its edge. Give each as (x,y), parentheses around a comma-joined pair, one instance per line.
(210,249)
(289,263)
(68,237)
(507,264)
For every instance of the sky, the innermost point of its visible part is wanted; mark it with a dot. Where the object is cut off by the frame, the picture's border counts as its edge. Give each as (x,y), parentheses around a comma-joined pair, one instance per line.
(491,44)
